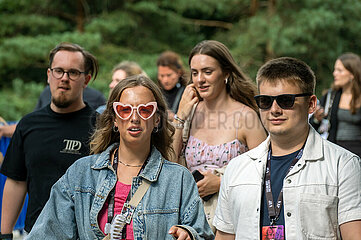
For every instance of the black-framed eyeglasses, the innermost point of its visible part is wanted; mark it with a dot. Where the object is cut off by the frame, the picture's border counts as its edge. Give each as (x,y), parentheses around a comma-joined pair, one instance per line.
(73,74)
(285,101)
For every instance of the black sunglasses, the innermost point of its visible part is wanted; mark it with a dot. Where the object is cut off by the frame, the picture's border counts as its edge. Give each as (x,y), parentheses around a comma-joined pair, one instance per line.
(285,101)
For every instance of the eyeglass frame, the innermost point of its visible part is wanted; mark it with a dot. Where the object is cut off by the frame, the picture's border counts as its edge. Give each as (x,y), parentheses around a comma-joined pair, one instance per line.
(273,98)
(154,104)
(66,72)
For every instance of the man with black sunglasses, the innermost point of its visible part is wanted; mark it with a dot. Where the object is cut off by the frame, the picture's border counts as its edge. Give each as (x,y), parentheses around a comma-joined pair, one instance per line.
(295,184)
(47,141)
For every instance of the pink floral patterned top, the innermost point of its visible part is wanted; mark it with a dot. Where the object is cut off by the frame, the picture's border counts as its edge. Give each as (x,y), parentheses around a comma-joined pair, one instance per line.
(201,156)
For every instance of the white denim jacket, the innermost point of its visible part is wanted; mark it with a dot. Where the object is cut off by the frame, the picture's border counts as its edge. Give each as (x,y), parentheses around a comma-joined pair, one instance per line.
(321,192)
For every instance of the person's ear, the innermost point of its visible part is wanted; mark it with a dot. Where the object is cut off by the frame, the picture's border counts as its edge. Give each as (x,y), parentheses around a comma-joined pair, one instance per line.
(48,73)
(157,120)
(87,80)
(312,104)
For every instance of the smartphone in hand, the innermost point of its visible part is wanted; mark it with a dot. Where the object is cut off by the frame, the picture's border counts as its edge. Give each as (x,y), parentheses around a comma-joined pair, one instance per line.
(199,176)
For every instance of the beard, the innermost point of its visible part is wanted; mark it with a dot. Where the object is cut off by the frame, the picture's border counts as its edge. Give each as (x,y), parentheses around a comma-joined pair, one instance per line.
(61,101)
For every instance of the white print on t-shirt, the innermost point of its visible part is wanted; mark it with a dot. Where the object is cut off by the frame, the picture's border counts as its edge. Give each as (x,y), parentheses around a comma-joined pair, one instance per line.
(71,146)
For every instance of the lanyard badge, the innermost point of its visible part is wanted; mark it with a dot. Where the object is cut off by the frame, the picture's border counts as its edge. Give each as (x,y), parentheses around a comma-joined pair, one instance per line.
(275,232)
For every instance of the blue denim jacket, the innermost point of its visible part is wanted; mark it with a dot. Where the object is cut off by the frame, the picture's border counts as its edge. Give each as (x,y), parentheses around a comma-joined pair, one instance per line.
(77,198)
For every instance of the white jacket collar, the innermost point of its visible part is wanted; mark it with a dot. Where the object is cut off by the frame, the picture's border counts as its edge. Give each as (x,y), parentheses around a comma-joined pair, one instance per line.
(313,148)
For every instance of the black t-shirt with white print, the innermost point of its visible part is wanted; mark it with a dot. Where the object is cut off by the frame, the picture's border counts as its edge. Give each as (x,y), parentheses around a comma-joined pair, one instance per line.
(44,145)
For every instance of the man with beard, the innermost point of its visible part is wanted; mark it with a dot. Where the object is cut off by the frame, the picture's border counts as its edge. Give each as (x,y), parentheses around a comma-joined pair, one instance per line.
(46,142)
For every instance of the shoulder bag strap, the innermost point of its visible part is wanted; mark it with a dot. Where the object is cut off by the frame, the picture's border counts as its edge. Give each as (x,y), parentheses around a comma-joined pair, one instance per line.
(139,194)
(185,136)
(329,101)
(327,104)
(187,126)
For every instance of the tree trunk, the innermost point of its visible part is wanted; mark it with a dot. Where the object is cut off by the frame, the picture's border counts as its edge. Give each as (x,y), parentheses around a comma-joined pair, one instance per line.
(271,9)
(80,16)
(254,7)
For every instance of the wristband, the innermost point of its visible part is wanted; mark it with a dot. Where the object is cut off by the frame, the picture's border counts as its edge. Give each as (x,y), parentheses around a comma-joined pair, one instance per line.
(178,119)
(8,236)
(178,125)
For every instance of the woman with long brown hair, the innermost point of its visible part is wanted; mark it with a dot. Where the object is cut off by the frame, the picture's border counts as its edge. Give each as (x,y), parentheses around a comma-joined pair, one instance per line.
(225,122)
(339,115)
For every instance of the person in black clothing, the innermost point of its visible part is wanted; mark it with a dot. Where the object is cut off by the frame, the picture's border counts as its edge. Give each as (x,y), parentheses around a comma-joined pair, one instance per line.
(46,142)
(338,118)
(171,79)
(93,97)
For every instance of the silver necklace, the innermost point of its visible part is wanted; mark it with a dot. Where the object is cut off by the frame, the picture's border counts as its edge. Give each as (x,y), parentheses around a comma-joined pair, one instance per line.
(125,164)
(128,165)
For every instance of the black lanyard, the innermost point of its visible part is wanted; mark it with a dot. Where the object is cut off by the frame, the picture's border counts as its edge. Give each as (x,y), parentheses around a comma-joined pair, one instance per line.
(112,194)
(274,211)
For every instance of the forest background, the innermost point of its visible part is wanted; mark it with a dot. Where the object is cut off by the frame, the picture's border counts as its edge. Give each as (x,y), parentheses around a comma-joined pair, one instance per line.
(316,31)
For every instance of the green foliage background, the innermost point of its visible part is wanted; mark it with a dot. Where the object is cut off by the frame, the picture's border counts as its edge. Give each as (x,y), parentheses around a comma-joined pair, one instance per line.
(316,31)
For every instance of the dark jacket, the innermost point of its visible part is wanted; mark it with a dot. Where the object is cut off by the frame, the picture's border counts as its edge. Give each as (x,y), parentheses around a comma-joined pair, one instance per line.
(333,117)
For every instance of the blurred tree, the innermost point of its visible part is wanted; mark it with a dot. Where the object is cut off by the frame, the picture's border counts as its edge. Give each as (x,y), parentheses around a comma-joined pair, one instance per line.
(316,31)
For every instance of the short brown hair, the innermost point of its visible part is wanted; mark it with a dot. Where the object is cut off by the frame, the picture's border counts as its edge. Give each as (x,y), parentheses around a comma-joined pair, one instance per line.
(90,62)
(288,69)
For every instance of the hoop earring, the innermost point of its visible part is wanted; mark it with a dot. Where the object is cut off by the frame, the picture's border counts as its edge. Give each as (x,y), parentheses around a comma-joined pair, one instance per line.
(226,81)
(155,129)
(115,128)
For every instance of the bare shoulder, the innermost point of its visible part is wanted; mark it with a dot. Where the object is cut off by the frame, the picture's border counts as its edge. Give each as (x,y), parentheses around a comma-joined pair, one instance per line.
(245,116)
(243,111)
(250,130)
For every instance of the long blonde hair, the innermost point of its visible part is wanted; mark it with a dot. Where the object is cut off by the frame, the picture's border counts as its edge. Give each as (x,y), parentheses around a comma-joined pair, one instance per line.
(104,134)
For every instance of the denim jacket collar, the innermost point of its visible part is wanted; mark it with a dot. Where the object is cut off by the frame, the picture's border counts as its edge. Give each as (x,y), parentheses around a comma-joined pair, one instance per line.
(150,172)
(103,159)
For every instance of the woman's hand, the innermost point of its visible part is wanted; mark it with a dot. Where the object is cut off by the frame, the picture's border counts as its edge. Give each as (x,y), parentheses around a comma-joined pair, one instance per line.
(209,184)
(179,233)
(189,98)
(319,113)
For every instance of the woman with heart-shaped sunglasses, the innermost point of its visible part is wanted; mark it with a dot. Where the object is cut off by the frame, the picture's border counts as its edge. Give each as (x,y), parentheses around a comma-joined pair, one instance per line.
(126,189)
